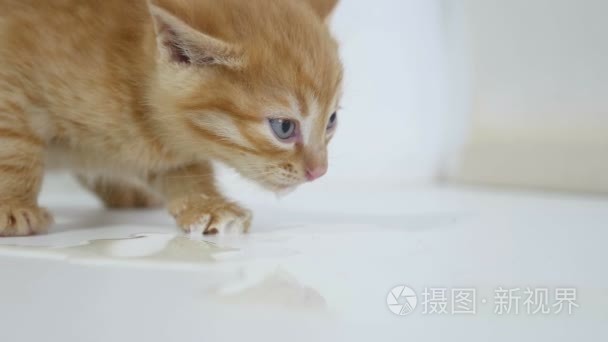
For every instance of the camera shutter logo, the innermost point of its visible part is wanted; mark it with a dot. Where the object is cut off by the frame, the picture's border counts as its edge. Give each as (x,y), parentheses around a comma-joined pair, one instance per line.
(402,300)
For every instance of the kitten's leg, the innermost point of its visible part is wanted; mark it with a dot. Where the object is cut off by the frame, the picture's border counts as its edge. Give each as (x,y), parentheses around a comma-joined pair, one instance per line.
(196,204)
(116,194)
(21,172)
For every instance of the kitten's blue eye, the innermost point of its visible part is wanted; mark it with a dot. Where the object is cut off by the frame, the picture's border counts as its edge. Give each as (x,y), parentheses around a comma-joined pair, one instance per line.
(283,129)
(333,120)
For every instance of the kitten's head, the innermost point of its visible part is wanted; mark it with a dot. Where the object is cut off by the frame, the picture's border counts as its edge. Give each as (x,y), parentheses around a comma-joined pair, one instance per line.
(254,84)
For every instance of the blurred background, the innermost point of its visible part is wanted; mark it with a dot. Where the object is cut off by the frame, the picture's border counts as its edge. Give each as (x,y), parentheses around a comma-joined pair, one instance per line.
(490,92)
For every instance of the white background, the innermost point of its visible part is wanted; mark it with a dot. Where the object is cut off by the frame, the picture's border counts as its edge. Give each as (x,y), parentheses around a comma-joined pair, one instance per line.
(535,74)
(391,125)
(485,91)
(539,70)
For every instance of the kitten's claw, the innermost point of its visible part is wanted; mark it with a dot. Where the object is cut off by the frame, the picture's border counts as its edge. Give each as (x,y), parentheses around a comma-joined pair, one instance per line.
(19,220)
(210,216)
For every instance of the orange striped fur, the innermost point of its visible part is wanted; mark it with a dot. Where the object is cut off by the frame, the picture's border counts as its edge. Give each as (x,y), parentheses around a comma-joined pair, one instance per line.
(138,97)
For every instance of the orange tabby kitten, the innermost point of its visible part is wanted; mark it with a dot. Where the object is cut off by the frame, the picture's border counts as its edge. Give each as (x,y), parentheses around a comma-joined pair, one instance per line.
(138,97)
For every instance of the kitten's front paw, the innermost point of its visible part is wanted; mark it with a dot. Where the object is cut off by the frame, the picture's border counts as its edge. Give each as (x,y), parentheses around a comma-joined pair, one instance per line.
(20,220)
(210,215)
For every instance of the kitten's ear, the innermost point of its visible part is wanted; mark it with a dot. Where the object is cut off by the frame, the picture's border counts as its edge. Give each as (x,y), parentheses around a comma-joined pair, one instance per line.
(183,44)
(324,8)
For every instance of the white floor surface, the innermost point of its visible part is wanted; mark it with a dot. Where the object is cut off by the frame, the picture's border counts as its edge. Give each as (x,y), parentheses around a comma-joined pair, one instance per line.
(318,265)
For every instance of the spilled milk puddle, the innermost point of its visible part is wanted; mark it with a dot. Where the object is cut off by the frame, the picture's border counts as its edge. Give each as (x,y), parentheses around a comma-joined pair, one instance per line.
(268,287)
(148,248)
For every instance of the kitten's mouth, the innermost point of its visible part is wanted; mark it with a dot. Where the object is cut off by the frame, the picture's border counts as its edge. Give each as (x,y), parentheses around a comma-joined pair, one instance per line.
(280,189)
(283,188)
(285,191)
(275,185)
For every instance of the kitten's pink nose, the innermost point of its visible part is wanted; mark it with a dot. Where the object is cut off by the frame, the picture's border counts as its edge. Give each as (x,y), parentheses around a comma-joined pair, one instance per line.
(316,172)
